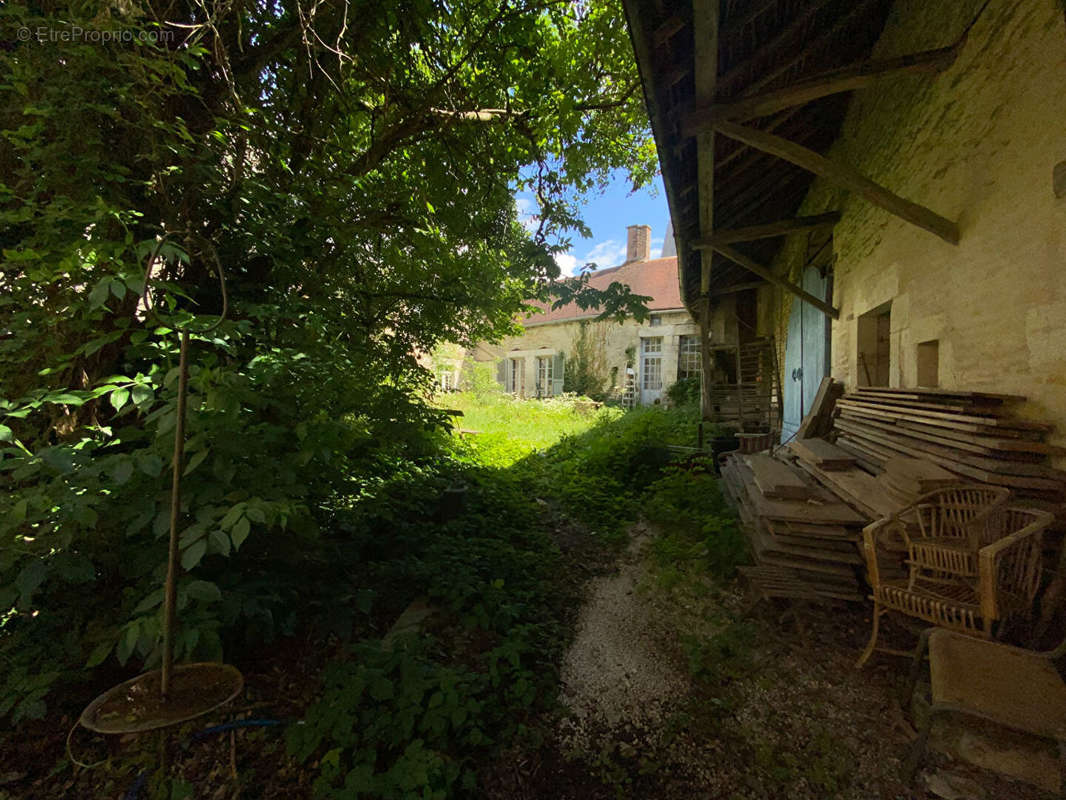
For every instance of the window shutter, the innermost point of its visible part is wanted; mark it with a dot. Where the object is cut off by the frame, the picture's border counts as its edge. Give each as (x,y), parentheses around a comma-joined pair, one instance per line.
(557,375)
(501,373)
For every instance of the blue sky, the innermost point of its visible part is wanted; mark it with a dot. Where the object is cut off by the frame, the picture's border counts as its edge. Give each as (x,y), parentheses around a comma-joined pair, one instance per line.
(607,216)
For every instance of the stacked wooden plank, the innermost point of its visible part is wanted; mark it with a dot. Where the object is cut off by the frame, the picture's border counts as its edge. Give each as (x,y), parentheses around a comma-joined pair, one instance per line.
(819,419)
(910,478)
(867,494)
(855,486)
(973,435)
(804,539)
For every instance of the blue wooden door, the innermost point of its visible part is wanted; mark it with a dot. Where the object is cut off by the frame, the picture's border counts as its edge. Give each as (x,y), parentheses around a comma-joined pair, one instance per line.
(792,389)
(806,353)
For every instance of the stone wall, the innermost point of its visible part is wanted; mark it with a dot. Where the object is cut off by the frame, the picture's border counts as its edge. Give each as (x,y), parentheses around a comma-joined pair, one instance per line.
(977,144)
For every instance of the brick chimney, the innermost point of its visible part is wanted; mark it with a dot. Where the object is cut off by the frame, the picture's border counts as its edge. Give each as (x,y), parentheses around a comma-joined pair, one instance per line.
(638,243)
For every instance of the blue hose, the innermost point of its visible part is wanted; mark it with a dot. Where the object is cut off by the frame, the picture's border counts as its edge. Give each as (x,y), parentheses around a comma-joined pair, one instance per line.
(230,726)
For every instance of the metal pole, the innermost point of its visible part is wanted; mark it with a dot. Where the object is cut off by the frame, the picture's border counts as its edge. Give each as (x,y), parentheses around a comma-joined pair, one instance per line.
(170,599)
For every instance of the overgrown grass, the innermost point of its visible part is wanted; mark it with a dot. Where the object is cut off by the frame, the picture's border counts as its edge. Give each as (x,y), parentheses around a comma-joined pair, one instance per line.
(501,584)
(509,429)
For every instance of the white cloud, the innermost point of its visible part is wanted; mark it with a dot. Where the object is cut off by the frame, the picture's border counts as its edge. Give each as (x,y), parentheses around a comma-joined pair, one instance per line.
(609,253)
(567,263)
(527,213)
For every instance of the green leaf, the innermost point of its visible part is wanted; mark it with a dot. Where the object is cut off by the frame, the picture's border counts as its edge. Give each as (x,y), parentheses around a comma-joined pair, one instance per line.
(123,470)
(119,397)
(204,591)
(194,553)
(118,288)
(232,515)
(150,464)
(219,541)
(128,642)
(195,461)
(98,296)
(99,653)
(141,393)
(149,602)
(30,578)
(240,532)
(6,434)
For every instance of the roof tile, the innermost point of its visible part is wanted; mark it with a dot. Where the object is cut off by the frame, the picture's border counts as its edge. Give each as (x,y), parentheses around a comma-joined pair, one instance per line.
(656,278)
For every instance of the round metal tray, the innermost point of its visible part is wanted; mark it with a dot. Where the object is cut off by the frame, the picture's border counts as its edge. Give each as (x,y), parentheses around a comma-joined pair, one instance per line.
(137,705)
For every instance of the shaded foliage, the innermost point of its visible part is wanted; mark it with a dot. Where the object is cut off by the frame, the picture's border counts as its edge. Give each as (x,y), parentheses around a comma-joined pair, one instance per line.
(360,215)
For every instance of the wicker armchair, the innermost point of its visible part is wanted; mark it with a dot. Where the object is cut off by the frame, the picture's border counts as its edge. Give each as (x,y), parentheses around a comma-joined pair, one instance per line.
(944,530)
(1003,582)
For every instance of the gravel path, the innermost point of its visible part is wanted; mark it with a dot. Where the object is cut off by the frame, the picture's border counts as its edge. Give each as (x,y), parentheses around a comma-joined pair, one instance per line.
(616,670)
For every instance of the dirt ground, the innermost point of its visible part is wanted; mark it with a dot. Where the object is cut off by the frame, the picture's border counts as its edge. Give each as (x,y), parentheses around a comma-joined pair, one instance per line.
(676,688)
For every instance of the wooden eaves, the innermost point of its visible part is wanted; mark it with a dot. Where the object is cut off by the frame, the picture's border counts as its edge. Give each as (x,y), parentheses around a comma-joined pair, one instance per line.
(786,69)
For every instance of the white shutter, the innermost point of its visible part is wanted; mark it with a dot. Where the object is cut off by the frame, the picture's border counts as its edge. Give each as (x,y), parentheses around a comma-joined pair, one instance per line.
(501,373)
(557,375)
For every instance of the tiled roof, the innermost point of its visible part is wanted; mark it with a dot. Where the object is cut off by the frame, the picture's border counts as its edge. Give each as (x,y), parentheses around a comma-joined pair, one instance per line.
(656,278)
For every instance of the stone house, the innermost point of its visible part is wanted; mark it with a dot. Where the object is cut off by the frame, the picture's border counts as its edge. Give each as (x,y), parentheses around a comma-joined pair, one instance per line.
(644,357)
(889,186)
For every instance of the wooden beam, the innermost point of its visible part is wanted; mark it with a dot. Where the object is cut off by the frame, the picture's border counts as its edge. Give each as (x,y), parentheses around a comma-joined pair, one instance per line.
(732,26)
(768,230)
(664,32)
(741,287)
(753,266)
(705,63)
(770,127)
(856,76)
(843,175)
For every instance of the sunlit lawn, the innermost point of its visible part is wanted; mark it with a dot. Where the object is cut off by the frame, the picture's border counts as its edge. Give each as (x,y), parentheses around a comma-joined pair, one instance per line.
(510,429)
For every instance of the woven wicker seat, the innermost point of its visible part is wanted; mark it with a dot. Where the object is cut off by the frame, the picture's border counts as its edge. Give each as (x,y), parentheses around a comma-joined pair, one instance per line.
(1002,583)
(943,530)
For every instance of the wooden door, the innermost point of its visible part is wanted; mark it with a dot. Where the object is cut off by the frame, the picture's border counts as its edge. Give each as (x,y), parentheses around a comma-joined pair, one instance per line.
(806,352)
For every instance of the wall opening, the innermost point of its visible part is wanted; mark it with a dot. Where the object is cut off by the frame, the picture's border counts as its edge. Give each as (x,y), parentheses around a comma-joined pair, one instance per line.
(874,346)
(929,363)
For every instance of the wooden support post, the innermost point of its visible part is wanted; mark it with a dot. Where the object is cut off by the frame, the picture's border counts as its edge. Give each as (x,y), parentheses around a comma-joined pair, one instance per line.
(768,230)
(843,175)
(705,63)
(856,76)
(763,272)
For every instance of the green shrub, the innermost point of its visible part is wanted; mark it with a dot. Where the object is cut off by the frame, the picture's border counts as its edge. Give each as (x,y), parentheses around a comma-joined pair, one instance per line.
(685,392)
(701,530)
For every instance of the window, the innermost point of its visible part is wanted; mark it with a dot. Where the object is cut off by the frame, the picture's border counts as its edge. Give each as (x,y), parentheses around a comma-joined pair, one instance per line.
(689,364)
(653,344)
(515,374)
(544,376)
(929,363)
(446,381)
(655,320)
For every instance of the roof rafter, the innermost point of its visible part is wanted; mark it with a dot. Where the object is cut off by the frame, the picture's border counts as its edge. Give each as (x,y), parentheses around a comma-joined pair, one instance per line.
(767,230)
(843,175)
(856,76)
